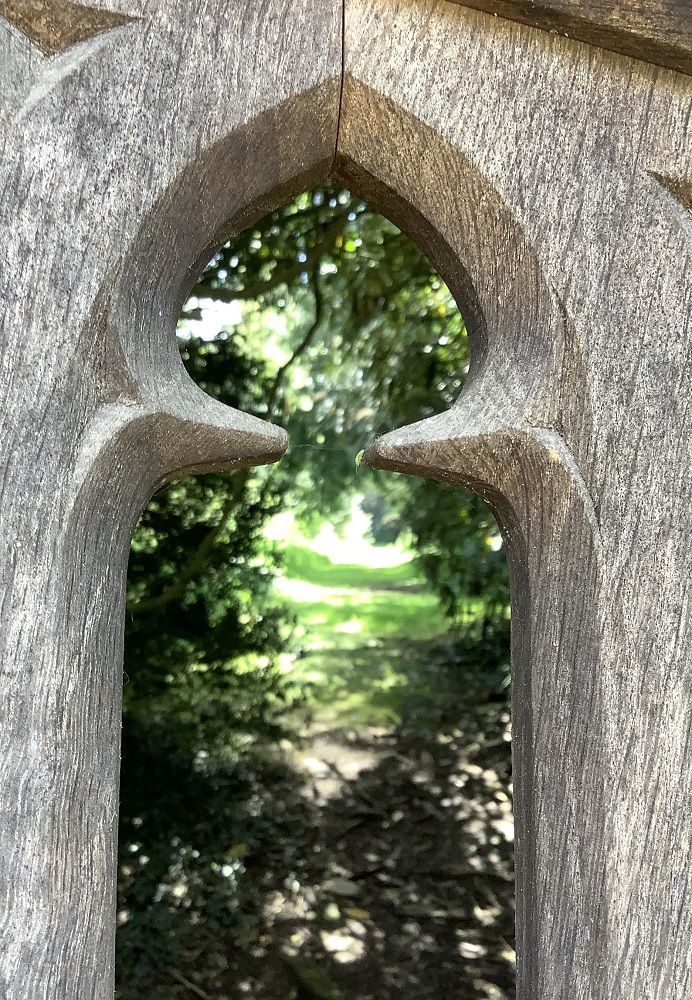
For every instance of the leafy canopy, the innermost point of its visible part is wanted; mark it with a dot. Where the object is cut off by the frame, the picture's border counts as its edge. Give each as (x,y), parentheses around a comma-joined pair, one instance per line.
(341,330)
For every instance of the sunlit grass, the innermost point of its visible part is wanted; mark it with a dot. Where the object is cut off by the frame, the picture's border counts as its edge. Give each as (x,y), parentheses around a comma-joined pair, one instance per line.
(362,630)
(305,565)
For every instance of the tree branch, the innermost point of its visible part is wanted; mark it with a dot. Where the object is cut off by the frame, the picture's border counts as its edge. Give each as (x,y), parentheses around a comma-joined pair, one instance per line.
(302,346)
(180,978)
(254,290)
(280,275)
(195,565)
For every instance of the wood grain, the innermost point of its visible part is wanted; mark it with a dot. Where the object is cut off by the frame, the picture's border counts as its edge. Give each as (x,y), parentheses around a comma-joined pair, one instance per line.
(657,31)
(124,161)
(548,180)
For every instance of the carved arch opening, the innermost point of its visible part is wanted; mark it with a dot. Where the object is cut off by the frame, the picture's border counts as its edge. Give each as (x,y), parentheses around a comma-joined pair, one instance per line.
(502,439)
(220,374)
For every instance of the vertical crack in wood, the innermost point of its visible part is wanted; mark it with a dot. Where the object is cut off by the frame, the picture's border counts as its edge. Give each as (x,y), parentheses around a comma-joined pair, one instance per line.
(520,436)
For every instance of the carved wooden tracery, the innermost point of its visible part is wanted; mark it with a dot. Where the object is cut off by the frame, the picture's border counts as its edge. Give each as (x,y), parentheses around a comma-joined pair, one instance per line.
(551,183)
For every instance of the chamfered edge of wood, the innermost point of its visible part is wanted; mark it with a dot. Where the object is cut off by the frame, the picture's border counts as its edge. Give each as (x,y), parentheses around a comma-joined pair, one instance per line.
(55,26)
(655,31)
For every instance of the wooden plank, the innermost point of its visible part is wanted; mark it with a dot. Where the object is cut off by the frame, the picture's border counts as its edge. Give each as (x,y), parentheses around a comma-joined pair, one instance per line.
(123,160)
(550,184)
(657,31)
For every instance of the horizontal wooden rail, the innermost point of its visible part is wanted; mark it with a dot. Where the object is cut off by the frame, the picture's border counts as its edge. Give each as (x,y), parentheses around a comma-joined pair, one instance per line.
(657,31)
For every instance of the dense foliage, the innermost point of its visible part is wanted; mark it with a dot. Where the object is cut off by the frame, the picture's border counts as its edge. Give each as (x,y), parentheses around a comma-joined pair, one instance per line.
(202,628)
(345,331)
(341,330)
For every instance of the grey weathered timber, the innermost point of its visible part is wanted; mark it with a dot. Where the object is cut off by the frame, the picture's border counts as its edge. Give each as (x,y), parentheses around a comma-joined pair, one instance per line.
(124,158)
(658,31)
(551,183)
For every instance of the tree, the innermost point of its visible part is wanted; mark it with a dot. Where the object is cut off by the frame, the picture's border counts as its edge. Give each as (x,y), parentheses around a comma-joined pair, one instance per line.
(374,340)
(343,330)
(365,336)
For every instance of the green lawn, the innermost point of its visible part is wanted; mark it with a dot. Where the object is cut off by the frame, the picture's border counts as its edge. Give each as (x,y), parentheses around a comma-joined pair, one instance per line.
(363,634)
(303,563)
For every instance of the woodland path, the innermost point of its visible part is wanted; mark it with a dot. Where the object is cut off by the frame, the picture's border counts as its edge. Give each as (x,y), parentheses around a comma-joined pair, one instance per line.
(399,877)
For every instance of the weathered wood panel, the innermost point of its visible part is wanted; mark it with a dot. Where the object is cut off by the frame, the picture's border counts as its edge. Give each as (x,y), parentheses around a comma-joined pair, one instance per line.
(657,31)
(123,159)
(551,183)
(548,181)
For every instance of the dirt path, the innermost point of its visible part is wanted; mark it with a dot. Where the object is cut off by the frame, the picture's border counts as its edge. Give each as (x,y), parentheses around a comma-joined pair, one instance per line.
(368,856)
(400,885)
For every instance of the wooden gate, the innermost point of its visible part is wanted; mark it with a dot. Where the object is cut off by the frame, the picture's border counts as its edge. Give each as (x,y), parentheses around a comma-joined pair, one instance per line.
(543,160)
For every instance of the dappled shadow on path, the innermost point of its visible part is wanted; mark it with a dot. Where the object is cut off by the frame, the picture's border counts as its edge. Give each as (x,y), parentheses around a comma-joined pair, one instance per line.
(361,865)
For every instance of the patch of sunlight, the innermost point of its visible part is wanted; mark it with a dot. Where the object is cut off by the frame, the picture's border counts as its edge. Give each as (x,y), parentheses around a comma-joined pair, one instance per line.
(314,676)
(342,946)
(300,591)
(350,545)
(303,592)
(391,679)
(222,317)
(216,316)
(353,545)
(316,620)
(361,612)
(352,627)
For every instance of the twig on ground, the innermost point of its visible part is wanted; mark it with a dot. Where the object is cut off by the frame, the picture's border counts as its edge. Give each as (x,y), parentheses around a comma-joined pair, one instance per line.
(197,990)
